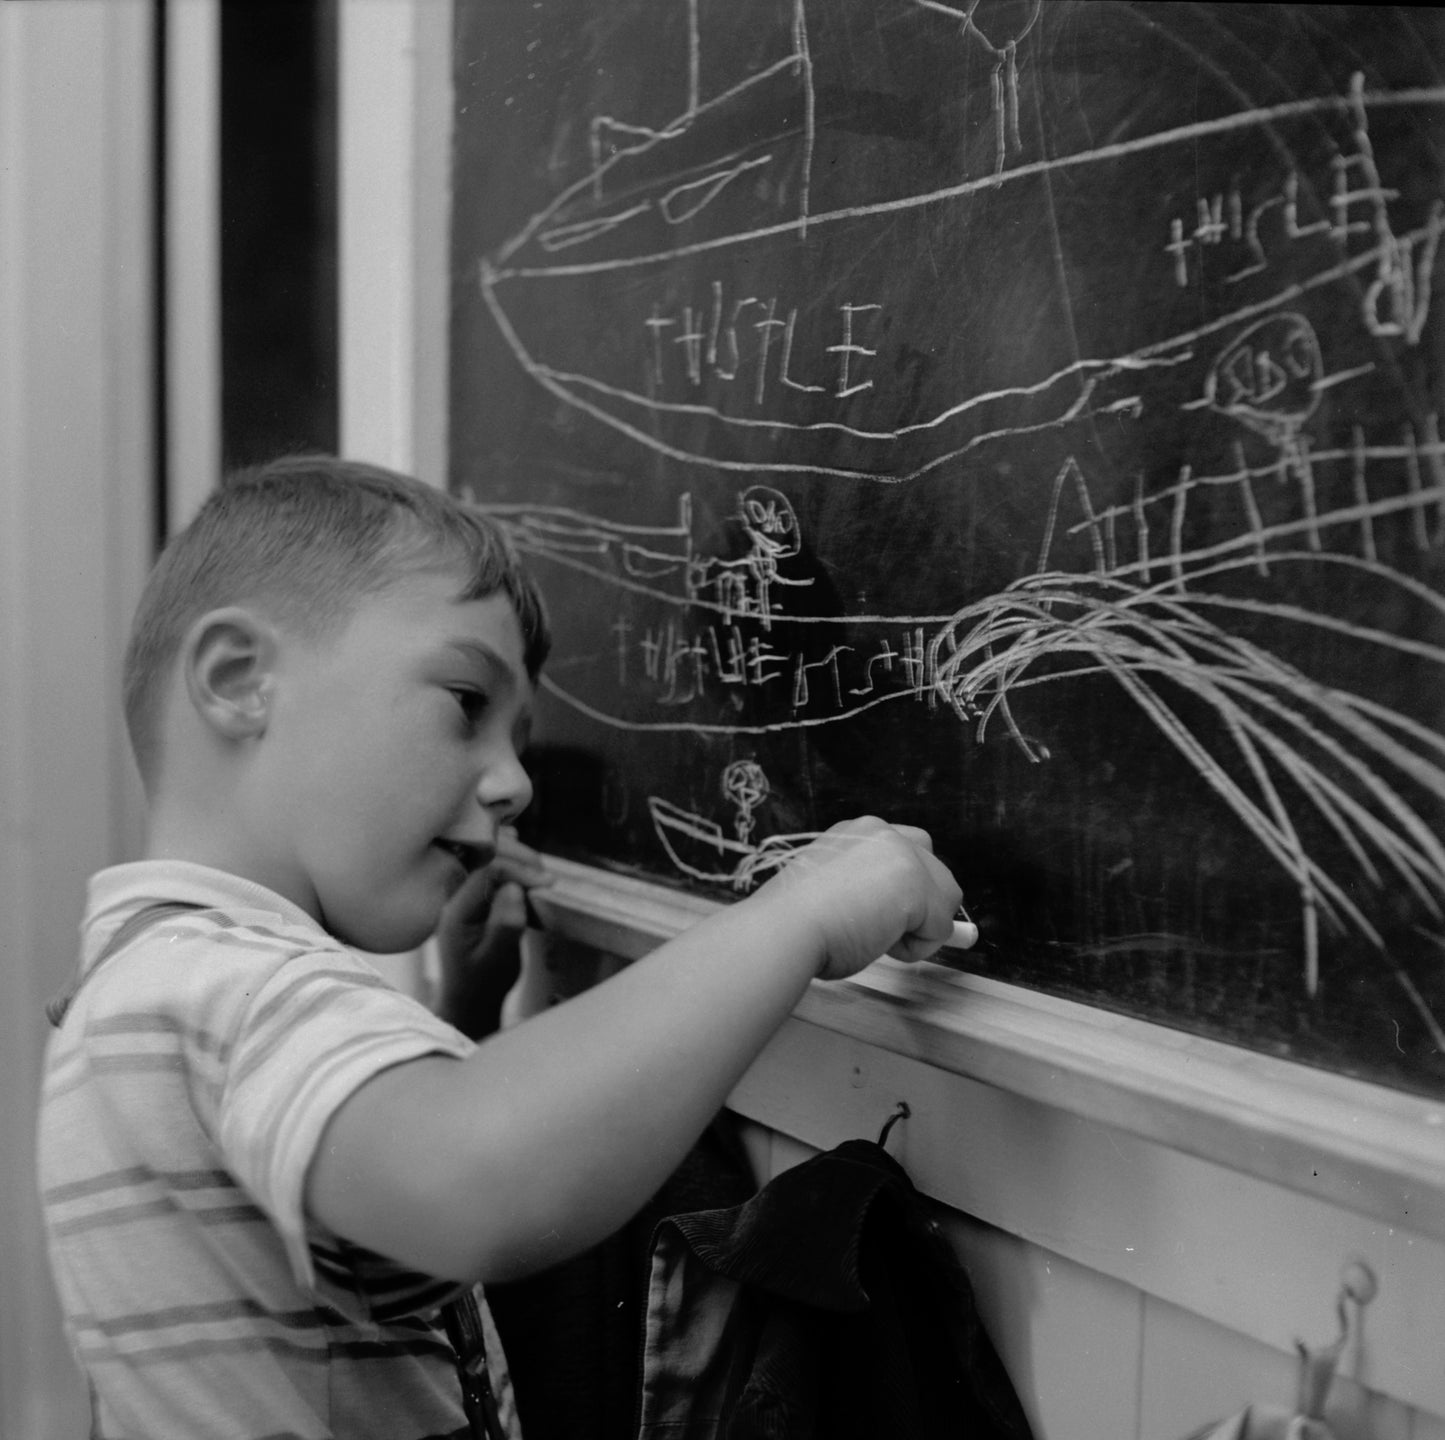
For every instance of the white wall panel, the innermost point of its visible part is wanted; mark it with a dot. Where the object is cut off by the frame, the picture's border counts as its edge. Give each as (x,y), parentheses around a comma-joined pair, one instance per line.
(75,466)
(1068,1336)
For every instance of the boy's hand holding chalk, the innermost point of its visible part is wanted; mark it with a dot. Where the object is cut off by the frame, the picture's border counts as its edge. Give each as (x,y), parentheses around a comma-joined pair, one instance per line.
(870,888)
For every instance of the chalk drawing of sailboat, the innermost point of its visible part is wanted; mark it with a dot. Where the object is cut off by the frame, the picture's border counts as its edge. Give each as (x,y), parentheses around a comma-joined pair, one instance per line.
(708,288)
(768,347)
(701,849)
(663,561)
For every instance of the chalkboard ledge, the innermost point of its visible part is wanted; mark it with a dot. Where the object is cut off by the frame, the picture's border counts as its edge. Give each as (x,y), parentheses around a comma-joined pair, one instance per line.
(1372,1150)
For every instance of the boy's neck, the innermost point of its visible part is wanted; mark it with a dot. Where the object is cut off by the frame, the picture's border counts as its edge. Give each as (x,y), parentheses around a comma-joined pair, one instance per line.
(174,834)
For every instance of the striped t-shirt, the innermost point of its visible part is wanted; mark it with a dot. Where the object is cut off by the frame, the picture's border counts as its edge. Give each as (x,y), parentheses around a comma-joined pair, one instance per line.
(184,1096)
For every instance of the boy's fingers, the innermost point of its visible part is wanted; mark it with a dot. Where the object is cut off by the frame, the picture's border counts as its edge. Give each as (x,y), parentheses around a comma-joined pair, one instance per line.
(920,838)
(914,947)
(946,901)
(520,862)
(520,872)
(935,932)
(509,906)
(476,903)
(472,902)
(936,927)
(509,847)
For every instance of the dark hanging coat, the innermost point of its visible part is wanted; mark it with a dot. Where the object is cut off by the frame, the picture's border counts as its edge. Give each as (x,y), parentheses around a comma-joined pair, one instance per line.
(828,1307)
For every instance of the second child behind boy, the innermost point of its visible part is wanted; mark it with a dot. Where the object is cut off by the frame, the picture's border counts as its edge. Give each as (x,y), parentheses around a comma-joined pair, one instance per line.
(263,1168)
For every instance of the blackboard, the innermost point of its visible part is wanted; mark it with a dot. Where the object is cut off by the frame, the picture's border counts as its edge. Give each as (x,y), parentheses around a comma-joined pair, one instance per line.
(1017,419)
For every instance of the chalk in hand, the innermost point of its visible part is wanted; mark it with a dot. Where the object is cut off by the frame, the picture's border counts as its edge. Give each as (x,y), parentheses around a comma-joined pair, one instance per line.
(965,932)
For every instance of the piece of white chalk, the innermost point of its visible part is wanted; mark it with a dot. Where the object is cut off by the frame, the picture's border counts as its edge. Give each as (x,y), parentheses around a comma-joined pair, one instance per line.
(965,935)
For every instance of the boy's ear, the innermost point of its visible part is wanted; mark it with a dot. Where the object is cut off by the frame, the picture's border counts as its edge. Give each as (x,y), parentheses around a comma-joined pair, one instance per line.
(228,660)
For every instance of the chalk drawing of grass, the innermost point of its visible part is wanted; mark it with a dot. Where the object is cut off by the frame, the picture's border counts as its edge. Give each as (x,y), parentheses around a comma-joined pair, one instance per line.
(1343,756)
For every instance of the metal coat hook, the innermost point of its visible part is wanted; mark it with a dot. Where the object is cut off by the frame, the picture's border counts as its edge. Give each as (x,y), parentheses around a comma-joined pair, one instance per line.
(1318,1365)
(1312,1416)
(901,1113)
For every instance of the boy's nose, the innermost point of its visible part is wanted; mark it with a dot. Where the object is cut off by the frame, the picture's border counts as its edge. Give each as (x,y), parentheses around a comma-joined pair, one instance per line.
(505,788)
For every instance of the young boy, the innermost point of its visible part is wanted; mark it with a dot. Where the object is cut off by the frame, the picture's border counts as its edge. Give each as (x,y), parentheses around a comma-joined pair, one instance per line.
(264,1169)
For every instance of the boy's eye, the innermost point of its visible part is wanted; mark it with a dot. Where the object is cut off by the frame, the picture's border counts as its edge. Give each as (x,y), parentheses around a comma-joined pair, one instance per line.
(472,703)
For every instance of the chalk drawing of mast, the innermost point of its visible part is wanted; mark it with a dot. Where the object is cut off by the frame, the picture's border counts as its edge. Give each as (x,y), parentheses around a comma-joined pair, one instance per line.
(1004,52)
(647,180)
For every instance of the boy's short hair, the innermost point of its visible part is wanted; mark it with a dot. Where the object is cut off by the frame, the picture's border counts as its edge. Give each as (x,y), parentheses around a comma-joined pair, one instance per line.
(305,538)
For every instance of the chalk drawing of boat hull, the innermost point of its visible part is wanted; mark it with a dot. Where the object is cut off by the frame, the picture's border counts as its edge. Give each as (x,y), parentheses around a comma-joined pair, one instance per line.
(698,847)
(810,422)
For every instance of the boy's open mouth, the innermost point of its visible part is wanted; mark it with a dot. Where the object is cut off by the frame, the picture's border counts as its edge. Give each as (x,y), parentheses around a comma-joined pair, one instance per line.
(470,857)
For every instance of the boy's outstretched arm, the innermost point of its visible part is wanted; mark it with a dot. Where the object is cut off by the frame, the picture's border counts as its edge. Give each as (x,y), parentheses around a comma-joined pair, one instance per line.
(553,1133)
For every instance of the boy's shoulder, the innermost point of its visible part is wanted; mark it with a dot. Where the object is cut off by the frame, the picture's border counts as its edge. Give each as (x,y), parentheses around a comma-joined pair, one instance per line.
(245,1001)
(132,899)
(184,943)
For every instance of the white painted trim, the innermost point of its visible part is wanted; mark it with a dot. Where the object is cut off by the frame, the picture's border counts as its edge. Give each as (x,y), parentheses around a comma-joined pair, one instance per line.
(394,129)
(431,211)
(377,321)
(1375,1151)
(193,255)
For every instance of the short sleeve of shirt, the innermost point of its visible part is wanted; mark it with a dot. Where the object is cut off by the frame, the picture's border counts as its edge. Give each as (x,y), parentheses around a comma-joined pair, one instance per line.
(320,1024)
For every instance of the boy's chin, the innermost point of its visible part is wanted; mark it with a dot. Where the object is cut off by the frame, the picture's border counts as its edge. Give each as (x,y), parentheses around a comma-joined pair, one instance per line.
(391,936)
